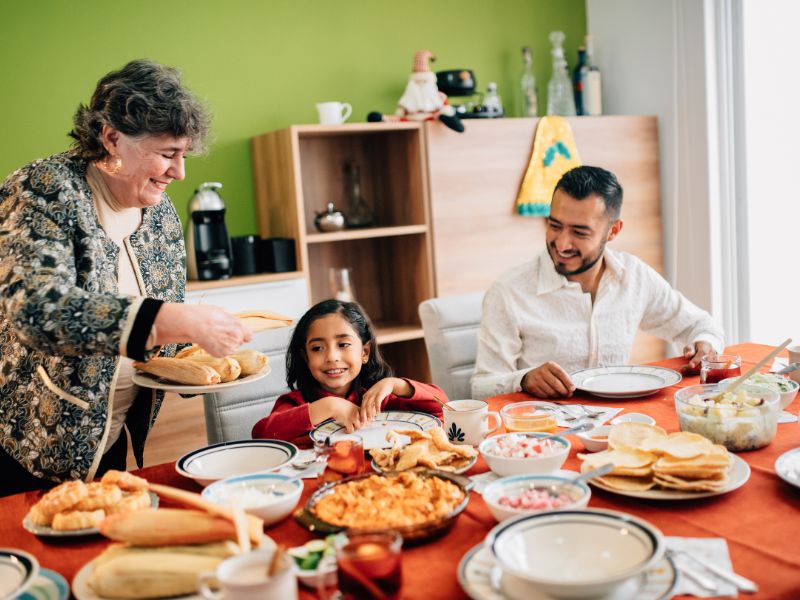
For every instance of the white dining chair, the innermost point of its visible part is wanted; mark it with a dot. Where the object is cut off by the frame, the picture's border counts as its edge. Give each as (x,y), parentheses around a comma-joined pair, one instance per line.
(450,326)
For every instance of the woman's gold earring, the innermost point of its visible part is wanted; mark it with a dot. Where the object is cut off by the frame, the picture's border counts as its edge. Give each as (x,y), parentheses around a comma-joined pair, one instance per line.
(117,165)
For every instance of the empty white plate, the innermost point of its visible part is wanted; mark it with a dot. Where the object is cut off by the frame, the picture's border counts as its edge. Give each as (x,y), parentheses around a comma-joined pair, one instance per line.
(227,459)
(624,381)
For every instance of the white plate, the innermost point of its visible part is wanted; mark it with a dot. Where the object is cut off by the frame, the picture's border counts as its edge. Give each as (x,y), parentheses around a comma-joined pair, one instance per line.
(458,471)
(481,578)
(157,383)
(788,467)
(82,591)
(18,570)
(374,434)
(47,531)
(228,459)
(740,473)
(49,585)
(624,381)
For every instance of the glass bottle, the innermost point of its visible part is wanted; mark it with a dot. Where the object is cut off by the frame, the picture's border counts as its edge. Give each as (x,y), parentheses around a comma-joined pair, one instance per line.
(592,86)
(577,80)
(528,99)
(491,101)
(560,98)
(359,213)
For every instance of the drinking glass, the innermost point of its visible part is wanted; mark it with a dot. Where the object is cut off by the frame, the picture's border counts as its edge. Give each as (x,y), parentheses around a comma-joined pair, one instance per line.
(341,287)
(369,566)
(714,369)
(343,455)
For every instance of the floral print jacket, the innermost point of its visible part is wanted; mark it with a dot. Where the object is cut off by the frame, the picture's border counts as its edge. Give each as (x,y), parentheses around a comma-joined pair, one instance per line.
(62,321)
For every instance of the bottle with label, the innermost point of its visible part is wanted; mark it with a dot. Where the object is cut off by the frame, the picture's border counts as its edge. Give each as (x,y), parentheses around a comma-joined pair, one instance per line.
(560,98)
(359,213)
(528,98)
(577,80)
(491,101)
(592,86)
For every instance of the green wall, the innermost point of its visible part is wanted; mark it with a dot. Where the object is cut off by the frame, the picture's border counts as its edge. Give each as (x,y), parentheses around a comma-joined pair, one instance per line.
(260,65)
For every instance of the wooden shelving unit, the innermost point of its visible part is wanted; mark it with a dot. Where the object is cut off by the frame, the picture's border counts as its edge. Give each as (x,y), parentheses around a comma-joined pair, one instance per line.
(298,170)
(193,285)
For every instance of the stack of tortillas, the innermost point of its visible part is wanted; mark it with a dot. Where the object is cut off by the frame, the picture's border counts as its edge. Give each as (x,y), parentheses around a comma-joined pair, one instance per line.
(645,456)
(261,320)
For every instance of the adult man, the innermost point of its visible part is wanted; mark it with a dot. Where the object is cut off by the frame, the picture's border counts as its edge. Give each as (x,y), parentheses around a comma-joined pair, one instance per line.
(579,304)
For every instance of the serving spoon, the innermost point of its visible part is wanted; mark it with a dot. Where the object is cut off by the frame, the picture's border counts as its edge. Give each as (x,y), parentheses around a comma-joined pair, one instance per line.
(555,490)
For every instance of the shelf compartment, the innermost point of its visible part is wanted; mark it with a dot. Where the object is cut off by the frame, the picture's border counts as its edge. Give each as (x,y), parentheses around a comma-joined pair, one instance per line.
(365,233)
(392,333)
(194,285)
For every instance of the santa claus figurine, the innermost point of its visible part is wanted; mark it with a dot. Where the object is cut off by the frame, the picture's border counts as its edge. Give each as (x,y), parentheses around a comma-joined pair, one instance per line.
(422,100)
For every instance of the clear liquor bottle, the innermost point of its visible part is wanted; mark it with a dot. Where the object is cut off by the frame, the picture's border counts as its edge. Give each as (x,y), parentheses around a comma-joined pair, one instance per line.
(560,98)
(528,97)
(359,212)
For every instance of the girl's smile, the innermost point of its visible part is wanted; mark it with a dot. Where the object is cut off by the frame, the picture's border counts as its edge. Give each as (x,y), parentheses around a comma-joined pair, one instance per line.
(334,353)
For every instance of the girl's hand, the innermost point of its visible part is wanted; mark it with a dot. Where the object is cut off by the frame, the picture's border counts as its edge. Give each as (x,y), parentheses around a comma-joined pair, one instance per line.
(345,413)
(373,398)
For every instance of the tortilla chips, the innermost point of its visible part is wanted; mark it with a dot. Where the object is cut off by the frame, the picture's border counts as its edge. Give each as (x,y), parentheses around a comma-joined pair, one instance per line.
(429,449)
(645,456)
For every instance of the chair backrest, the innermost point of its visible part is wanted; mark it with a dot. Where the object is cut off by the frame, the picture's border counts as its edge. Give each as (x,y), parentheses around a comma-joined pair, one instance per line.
(451,336)
(231,413)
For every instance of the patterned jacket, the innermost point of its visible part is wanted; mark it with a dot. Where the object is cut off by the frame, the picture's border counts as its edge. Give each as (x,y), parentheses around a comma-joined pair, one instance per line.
(62,321)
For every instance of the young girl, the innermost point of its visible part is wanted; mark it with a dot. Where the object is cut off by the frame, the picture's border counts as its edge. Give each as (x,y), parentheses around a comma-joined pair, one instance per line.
(335,370)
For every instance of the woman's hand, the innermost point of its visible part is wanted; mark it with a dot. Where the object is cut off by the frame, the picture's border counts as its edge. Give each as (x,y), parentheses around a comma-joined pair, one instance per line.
(373,398)
(218,332)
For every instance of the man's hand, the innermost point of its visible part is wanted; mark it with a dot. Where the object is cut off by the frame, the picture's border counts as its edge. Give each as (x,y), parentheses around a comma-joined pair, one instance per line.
(548,381)
(697,352)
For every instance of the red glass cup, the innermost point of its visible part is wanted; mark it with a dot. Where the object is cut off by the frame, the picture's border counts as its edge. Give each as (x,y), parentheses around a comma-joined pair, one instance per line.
(714,369)
(344,457)
(369,566)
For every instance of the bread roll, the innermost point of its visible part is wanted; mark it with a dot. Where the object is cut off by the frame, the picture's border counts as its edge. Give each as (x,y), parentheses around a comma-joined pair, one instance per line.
(180,371)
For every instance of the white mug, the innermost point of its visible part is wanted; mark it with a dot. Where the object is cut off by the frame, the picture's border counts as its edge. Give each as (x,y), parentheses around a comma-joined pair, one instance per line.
(468,423)
(794,356)
(333,113)
(244,577)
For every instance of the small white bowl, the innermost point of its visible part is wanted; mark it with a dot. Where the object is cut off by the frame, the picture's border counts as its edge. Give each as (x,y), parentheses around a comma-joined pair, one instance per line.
(310,578)
(579,492)
(786,398)
(573,553)
(282,501)
(590,441)
(538,465)
(633,418)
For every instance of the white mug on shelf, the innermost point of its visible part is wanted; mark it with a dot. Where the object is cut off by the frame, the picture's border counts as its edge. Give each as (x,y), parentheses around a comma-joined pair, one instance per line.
(244,577)
(333,113)
(468,423)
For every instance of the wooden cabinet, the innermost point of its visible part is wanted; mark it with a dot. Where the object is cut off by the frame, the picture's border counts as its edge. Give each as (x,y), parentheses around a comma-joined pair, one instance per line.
(298,170)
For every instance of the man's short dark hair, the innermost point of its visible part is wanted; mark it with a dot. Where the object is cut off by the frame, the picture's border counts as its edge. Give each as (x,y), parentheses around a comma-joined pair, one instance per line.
(582,182)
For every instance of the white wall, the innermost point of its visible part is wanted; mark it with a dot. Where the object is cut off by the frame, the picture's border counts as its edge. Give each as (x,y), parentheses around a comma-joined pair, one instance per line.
(652,56)
(772,126)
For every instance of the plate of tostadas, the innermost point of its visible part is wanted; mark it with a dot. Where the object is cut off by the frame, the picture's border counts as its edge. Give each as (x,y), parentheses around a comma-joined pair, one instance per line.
(651,464)
(427,450)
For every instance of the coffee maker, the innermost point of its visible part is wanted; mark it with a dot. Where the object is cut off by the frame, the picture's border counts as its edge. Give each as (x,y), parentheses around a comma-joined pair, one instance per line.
(208,247)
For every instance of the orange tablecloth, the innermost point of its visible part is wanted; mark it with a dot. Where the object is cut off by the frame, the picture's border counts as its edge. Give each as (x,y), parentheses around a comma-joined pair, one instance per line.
(761,520)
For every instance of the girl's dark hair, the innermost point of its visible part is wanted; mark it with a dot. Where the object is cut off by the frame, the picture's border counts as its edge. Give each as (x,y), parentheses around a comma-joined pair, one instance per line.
(142,98)
(298,375)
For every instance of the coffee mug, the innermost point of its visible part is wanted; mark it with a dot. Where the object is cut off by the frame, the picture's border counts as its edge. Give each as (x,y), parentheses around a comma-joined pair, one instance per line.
(244,577)
(333,113)
(468,422)
(794,356)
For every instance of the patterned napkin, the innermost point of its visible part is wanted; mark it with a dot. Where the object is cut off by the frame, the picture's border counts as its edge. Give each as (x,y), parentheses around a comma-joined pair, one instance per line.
(714,550)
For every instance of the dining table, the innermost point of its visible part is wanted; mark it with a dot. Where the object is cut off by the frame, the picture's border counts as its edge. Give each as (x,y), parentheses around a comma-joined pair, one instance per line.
(760,520)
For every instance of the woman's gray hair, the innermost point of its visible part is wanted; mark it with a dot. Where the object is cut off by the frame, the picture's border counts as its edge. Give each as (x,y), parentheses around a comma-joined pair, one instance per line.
(142,98)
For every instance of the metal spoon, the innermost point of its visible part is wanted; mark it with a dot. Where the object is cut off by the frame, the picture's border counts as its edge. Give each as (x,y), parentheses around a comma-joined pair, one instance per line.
(790,368)
(586,426)
(556,490)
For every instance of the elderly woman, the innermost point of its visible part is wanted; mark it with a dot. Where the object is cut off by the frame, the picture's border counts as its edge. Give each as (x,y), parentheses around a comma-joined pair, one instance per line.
(92,277)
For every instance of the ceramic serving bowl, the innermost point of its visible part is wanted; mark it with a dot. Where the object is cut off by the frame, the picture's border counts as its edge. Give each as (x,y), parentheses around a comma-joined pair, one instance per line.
(633,418)
(541,464)
(573,554)
(512,487)
(596,439)
(240,457)
(268,496)
(774,382)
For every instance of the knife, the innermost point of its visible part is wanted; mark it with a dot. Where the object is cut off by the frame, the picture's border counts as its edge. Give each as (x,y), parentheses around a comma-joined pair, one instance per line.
(740,582)
(788,368)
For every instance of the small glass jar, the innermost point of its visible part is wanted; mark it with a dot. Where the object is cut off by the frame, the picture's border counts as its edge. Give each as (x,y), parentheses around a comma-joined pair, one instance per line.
(714,369)
(528,416)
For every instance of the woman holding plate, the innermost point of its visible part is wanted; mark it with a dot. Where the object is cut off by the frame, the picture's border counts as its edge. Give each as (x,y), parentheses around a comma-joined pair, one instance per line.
(92,278)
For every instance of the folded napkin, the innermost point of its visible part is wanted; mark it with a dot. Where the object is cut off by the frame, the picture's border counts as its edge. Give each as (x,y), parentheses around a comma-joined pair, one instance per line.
(714,550)
(778,364)
(569,415)
(787,417)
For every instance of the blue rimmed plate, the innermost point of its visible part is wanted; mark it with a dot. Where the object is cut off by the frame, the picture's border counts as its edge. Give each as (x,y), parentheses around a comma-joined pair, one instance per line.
(49,585)
(228,459)
(624,381)
(18,571)
(374,434)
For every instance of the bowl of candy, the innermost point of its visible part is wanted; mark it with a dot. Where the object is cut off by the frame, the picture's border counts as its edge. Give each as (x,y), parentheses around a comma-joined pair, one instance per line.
(524,494)
(745,419)
(524,453)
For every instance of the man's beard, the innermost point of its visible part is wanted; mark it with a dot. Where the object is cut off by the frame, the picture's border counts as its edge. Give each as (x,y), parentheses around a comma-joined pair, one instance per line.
(586,263)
